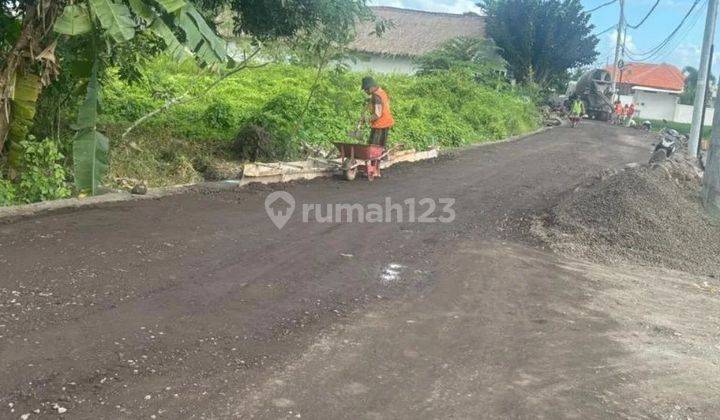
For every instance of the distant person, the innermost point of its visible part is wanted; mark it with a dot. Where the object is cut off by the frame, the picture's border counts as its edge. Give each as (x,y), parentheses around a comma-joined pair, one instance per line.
(617,114)
(630,113)
(577,110)
(381,119)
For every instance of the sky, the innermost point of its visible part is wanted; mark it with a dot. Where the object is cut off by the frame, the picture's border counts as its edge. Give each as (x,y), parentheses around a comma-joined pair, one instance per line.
(683,51)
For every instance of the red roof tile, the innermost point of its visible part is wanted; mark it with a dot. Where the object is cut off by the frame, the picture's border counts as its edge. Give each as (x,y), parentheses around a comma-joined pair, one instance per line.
(658,76)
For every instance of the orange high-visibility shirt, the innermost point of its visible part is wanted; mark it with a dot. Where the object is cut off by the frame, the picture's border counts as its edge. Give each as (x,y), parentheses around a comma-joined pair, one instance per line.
(386,119)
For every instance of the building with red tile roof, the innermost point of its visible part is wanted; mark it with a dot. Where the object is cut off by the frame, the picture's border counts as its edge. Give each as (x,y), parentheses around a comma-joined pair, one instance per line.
(663,76)
(654,89)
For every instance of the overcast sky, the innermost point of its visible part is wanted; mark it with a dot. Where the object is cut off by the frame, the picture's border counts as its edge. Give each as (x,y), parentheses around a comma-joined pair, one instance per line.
(683,50)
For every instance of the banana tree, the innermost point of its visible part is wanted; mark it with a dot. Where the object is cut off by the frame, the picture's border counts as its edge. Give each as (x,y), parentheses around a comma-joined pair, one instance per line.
(104,23)
(116,22)
(27,63)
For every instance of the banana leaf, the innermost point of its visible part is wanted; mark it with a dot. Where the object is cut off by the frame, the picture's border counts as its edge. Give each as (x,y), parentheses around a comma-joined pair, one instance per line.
(24,106)
(115,18)
(90,158)
(75,20)
(90,147)
(173,47)
(171,5)
(142,10)
(200,39)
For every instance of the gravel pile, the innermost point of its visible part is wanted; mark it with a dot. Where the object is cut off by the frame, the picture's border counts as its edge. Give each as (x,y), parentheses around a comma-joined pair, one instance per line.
(649,215)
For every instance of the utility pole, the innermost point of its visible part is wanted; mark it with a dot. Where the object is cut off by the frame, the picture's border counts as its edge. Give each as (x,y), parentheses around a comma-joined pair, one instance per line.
(703,73)
(620,30)
(711,178)
(708,97)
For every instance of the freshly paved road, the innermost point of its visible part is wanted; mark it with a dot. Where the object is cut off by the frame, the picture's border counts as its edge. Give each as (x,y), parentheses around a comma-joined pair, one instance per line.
(196,305)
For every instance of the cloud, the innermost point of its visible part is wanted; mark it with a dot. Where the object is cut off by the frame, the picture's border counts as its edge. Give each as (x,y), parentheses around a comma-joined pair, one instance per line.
(686,54)
(611,40)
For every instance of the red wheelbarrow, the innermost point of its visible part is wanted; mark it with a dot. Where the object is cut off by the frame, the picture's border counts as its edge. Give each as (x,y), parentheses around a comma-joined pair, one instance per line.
(364,158)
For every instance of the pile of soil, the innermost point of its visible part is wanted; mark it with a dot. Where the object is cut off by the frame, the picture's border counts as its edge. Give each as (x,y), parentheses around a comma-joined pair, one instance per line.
(650,215)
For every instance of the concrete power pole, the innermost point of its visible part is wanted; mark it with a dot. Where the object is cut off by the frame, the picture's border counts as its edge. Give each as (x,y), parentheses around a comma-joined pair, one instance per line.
(703,72)
(620,30)
(711,178)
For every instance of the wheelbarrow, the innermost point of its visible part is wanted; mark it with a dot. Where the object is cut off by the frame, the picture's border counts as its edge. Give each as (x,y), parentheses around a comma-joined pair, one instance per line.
(363,158)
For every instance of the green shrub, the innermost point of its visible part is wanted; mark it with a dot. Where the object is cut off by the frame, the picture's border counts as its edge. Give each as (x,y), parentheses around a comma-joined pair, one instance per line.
(42,175)
(219,115)
(444,109)
(7,193)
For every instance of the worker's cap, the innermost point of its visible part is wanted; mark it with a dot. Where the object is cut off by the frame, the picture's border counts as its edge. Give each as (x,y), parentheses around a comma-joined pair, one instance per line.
(368,82)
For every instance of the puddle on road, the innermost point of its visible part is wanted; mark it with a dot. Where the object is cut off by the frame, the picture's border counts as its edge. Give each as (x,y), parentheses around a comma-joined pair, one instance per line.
(391,273)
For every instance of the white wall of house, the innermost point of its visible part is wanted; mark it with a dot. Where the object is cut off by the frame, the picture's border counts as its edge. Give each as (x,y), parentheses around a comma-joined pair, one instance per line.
(655,105)
(683,114)
(383,64)
(626,99)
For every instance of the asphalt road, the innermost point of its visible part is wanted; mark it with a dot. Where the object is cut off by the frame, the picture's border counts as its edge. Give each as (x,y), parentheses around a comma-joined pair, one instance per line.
(196,305)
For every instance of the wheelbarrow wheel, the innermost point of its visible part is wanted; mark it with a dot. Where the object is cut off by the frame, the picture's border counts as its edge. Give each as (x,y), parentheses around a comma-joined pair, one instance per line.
(350,171)
(350,174)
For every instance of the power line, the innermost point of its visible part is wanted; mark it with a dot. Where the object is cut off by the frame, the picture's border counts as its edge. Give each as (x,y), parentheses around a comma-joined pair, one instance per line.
(601,6)
(652,9)
(661,55)
(606,30)
(670,45)
(667,40)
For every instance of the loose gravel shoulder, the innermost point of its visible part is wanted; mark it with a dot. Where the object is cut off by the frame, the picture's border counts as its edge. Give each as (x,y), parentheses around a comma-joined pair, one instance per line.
(644,214)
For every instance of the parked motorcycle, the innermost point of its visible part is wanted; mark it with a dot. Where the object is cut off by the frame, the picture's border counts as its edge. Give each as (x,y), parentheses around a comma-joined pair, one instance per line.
(670,142)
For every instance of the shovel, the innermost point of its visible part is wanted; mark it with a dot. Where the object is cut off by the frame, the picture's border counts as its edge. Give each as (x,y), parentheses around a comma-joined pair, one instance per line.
(357,133)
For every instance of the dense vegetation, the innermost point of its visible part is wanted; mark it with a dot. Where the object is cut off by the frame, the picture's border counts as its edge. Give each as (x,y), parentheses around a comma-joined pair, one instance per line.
(442,108)
(75,77)
(54,54)
(448,109)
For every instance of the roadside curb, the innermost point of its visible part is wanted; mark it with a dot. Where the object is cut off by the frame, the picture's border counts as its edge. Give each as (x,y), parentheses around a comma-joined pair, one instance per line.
(505,140)
(11,213)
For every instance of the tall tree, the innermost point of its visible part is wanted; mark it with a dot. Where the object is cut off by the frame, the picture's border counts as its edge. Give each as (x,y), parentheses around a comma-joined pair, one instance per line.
(691,79)
(541,39)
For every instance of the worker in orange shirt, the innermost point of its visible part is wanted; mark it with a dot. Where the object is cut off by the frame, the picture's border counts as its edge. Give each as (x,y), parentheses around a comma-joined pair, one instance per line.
(629,115)
(618,113)
(381,119)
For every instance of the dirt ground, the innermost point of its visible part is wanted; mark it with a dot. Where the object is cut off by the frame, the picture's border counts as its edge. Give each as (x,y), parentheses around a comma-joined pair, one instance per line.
(197,306)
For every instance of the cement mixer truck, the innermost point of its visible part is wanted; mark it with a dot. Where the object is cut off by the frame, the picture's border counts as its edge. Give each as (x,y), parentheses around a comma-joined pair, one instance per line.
(594,88)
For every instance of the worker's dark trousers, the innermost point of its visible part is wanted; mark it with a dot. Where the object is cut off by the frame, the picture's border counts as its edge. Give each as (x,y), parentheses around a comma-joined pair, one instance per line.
(379,136)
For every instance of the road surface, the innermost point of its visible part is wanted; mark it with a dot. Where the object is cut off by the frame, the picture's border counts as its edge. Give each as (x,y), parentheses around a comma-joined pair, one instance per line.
(196,305)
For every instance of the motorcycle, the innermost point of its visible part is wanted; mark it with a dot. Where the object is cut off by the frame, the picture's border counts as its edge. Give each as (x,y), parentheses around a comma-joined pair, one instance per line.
(670,142)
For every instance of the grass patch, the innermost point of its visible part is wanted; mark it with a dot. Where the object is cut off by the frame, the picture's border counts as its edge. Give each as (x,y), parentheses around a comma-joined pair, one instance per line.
(445,110)
(681,128)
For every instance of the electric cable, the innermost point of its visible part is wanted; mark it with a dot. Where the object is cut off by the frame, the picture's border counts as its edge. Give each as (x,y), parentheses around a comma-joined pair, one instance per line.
(601,6)
(667,40)
(606,30)
(652,9)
